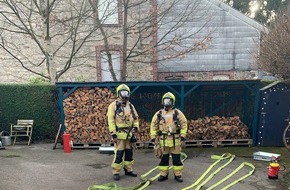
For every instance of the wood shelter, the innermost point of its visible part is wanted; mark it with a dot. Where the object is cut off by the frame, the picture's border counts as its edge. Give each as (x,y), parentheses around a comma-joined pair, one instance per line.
(195,98)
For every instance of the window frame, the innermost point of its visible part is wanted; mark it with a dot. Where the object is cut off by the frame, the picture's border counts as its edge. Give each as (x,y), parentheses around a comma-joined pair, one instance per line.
(119,16)
(99,51)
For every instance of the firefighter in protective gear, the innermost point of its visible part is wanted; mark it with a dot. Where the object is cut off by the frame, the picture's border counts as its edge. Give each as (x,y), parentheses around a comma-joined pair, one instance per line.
(123,123)
(169,127)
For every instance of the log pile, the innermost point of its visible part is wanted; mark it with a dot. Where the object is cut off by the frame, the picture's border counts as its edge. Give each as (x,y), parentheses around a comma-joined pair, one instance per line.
(85,120)
(208,128)
(144,133)
(217,128)
(85,115)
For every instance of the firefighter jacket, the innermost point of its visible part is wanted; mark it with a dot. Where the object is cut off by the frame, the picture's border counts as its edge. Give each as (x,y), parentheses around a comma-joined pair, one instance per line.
(168,127)
(121,119)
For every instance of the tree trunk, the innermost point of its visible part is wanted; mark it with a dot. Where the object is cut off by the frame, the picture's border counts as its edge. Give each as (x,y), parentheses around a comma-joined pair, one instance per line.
(48,48)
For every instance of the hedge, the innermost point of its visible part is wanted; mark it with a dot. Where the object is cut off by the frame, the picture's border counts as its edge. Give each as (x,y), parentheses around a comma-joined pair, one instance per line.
(37,102)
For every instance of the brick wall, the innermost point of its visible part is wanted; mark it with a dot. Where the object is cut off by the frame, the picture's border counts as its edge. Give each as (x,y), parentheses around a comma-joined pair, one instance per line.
(209,75)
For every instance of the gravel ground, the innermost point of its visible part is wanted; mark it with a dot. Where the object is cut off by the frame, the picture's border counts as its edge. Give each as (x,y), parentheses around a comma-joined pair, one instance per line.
(39,167)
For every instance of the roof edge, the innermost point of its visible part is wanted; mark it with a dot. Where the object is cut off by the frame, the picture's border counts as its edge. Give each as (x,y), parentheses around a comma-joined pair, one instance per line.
(270,85)
(239,15)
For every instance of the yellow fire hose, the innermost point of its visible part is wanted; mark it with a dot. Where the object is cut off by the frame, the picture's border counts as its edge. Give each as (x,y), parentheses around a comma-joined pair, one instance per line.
(198,184)
(142,185)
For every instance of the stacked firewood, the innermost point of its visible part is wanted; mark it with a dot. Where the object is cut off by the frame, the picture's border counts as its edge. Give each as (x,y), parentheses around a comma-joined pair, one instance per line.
(217,128)
(85,115)
(144,133)
(208,128)
(86,121)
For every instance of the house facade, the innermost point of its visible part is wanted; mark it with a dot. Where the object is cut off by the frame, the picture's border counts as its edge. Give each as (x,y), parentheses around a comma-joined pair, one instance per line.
(231,54)
(165,40)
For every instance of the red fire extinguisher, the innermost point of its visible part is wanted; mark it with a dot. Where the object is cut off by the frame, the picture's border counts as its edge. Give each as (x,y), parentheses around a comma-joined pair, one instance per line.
(273,170)
(66,143)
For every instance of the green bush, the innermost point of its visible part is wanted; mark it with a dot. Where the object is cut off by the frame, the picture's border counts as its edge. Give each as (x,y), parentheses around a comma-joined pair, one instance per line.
(35,102)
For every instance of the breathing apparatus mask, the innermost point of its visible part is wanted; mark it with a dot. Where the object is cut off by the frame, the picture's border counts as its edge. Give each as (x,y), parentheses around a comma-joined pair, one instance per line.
(167,102)
(124,95)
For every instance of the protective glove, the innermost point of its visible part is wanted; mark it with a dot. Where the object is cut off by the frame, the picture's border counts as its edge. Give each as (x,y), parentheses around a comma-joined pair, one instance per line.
(182,139)
(182,142)
(114,136)
(133,139)
(135,129)
(159,133)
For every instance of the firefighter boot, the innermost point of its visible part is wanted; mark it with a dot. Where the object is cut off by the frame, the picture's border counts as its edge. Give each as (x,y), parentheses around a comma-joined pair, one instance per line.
(178,179)
(162,178)
(132,174)
(116,177)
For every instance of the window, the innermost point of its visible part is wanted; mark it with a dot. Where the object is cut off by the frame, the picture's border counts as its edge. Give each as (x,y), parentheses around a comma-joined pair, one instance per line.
(108,11)
(106,75)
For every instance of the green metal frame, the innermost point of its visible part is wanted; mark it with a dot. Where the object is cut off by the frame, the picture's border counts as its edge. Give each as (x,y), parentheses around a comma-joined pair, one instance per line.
(181,89)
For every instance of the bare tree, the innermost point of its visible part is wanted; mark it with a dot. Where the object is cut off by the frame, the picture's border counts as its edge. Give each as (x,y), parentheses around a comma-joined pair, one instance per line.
(61,30)
(58,28)
(275,47)
(142,21)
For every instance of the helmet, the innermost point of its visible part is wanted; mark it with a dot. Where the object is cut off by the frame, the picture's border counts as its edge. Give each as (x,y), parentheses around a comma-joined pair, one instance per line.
(123,91)
(168,99)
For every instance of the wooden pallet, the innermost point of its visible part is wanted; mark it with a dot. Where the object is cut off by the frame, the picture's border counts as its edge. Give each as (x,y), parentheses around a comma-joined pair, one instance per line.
(219,143)
(139,145)
(144,145)
(235,142)
(88,145)
(200,143)
(188,144)
(205,143)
